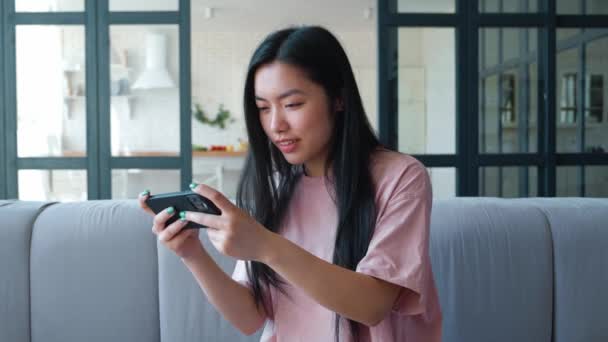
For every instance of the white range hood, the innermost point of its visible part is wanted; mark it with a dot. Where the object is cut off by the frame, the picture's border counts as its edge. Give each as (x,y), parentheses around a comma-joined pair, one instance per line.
(155,75)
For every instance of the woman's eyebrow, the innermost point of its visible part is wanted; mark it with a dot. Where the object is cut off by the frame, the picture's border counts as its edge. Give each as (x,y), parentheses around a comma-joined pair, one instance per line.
(284,95)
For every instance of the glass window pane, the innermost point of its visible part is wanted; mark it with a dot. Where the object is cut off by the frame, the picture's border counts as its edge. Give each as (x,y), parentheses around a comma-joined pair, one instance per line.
(596,7)
(488,115)
(49,5)
(566,86)
(596,181)
(569,6)
(52,185)
(508,93)
(511,181)
(587,181)
(567,178)
(426,89)
(489,6)
(51,118)
(437,6)
(587,91)
(510,43)
(489,47)
(129,183)
(563,35)
(582,7)
(533,41)
(148,5)
(496,6)
(595,100)
(532,85)
(533,5)
(144,89)
(443,180)
(489,182)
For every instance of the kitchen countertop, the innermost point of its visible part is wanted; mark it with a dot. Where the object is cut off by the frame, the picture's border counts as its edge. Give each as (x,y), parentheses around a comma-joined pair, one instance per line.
(195,154)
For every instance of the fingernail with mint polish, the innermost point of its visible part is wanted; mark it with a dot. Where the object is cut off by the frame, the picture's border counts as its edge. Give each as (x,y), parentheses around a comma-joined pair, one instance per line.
(193,185)
(145,192)
(170,210)
(182,215)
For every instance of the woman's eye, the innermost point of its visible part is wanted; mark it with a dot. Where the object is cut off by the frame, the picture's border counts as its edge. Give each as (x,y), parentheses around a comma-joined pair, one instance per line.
(262,109)
(293,105)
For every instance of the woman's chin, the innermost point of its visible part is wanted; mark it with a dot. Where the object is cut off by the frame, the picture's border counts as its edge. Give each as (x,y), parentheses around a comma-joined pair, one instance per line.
(293,158)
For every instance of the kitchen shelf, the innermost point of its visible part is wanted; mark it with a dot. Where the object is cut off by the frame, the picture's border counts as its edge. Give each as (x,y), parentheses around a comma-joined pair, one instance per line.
(81,97)
(113,67)
(72,98)
(75,85)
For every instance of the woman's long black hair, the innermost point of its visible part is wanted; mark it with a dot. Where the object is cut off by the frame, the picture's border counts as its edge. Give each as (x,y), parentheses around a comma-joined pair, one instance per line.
(268,180)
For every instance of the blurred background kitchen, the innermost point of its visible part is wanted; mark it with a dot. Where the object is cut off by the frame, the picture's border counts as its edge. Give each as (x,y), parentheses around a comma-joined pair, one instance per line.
(113,123)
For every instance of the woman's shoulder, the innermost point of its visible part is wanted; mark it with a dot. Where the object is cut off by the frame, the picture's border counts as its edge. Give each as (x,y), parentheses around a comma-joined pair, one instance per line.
(395,171)
(388,163)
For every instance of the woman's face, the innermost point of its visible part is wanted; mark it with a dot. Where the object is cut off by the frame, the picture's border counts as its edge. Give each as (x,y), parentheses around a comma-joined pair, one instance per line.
(295,114)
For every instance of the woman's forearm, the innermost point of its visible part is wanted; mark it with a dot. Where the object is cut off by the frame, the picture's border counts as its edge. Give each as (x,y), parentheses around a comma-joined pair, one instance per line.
(357,296)
(232,299)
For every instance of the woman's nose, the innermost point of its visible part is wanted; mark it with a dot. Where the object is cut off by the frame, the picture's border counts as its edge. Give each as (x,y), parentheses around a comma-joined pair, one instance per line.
(278,123)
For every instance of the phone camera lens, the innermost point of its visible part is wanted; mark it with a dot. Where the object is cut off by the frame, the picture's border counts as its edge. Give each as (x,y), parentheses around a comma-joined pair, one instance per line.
(198,203)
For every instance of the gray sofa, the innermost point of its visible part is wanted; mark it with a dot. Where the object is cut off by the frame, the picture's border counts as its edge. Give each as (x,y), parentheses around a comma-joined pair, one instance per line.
(506,270)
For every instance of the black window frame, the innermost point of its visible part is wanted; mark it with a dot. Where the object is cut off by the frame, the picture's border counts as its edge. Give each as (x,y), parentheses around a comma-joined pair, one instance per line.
(98,162)
(468,21)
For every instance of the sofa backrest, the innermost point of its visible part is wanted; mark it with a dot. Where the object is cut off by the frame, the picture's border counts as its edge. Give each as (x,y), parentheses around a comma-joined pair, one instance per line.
(579,229)
(94,274)
(506,270)
(94,271)
(16,221)
(492,261)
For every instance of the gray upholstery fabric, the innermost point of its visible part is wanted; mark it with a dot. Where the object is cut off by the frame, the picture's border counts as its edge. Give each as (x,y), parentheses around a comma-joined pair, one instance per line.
(16,219)
(94,274)
(185,312)
(506,270)
(492,265)
(580,240)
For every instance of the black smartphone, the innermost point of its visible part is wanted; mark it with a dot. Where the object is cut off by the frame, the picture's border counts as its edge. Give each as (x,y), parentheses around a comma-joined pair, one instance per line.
(182,201)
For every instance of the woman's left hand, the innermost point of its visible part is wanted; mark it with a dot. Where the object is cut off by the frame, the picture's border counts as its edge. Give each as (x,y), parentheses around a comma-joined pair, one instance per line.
(234,233)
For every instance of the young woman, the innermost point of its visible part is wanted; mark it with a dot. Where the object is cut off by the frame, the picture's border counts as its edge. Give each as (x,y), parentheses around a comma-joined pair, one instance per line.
(331,230)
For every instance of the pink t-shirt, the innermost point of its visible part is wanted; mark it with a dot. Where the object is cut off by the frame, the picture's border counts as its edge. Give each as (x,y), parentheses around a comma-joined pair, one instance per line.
(398,253)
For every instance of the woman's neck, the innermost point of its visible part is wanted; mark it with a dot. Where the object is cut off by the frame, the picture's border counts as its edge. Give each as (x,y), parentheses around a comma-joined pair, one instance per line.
(314,170)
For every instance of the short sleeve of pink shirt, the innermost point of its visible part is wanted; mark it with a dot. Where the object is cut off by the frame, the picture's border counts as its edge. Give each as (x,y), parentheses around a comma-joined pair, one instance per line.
(398,253)
(399,249)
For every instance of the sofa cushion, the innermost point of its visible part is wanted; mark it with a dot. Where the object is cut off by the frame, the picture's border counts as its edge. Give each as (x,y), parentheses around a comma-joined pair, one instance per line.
(580,239)
(94,274)
(185,312)
(16,221)
(492,264)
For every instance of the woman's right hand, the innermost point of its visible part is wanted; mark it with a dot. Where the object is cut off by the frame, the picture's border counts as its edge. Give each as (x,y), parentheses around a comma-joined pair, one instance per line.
(183,242)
